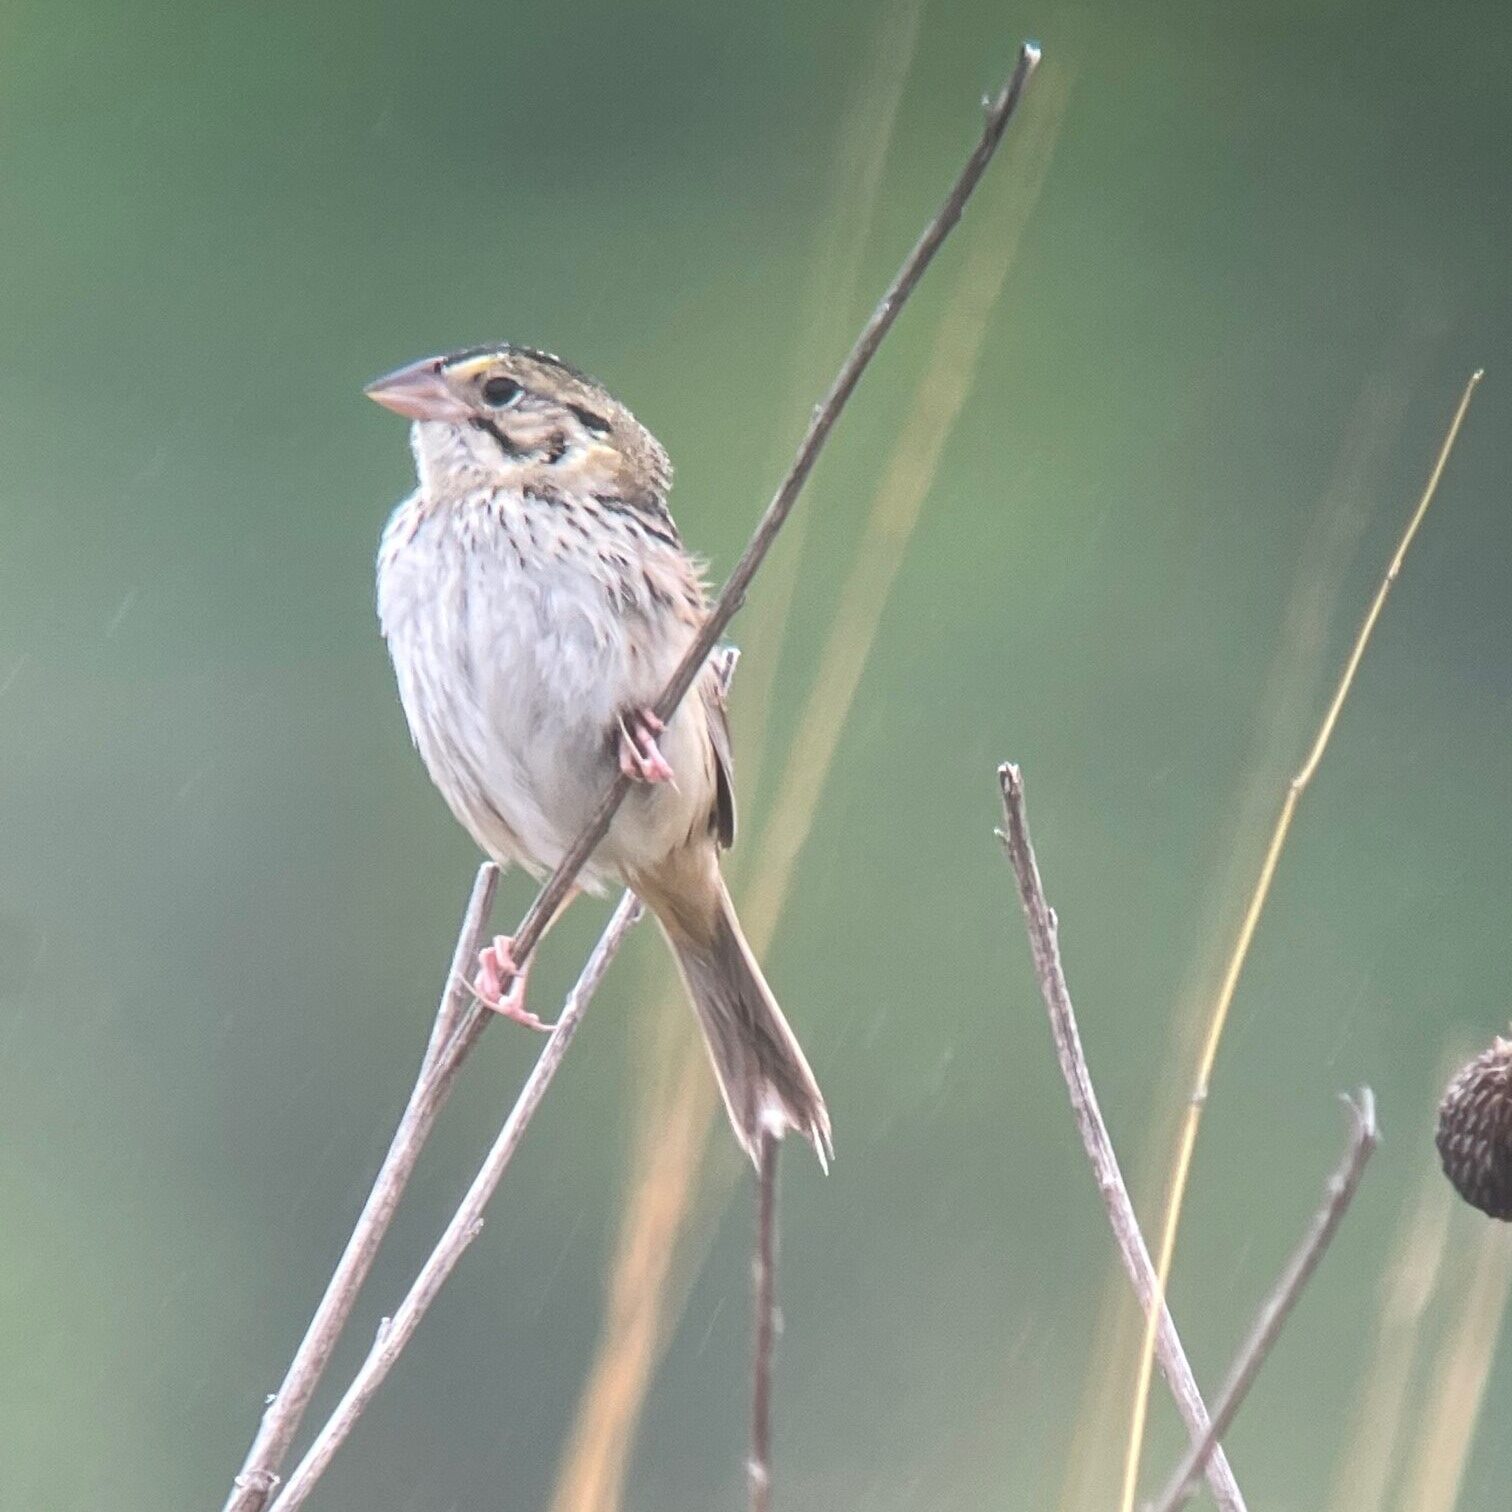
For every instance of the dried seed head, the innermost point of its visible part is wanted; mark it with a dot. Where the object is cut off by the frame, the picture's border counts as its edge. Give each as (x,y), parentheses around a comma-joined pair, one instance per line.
(1475,1131)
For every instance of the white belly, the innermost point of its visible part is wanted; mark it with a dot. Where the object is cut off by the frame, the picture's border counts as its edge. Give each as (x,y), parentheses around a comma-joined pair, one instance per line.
(514,668)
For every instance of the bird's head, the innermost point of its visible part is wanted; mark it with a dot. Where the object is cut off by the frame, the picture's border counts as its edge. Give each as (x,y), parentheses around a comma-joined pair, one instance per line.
(509,416)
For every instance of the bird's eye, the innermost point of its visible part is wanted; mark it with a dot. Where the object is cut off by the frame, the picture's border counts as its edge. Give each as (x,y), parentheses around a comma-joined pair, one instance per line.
(500,393)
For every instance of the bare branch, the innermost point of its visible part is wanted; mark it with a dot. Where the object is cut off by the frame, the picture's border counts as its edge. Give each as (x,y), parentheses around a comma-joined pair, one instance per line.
(1044,945)
(466,1223)
(764,1277)
(280,1422)
(1274,1311)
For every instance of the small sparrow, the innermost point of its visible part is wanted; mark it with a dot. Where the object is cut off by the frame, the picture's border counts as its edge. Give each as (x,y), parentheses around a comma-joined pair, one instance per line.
(535,596)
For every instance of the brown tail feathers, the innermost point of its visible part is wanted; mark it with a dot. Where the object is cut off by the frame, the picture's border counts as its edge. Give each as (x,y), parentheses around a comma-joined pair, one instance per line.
(760,1066)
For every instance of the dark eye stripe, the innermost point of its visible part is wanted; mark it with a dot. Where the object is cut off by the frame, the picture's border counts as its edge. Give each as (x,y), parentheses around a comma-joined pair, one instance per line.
(596,423)
(505,445)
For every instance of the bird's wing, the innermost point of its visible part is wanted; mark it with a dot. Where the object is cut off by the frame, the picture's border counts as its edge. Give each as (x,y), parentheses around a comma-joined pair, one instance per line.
(713,686)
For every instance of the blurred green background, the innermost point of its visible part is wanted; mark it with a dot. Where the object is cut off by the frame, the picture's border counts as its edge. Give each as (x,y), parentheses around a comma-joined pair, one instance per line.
(1270,244)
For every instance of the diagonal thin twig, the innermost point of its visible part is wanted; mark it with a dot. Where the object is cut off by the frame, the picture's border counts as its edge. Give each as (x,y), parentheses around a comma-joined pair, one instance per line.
(466,1223)
(554,894)
(280,1422)
(1207,1057)
(1044,945)
(1274,1311)
(259,1474)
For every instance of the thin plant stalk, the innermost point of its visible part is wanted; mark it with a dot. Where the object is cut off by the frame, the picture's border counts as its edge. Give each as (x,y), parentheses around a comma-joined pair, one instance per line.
(1044,943)
(1192,1118)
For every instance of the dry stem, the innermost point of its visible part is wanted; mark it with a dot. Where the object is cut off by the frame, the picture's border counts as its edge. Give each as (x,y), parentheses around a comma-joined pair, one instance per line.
(1044,944)
(1274,1311)
(1209,1054)
(466,1223)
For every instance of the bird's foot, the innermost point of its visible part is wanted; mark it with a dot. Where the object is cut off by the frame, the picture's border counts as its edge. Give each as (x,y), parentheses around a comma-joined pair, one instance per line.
(496,963)
(640,757)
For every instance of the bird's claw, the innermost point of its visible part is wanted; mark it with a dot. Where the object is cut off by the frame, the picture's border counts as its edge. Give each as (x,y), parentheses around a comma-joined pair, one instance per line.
(640,757)
(496,964)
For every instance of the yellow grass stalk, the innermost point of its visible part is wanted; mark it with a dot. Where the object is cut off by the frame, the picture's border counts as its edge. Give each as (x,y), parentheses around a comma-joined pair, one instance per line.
(608,1414)
(1192,1117)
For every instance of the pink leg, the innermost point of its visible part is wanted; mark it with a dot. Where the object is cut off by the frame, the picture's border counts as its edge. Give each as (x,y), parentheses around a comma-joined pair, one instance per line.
(495,963)
(640,757)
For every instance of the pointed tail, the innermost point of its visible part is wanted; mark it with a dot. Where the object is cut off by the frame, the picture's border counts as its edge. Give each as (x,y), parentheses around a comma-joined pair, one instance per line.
(762,1071)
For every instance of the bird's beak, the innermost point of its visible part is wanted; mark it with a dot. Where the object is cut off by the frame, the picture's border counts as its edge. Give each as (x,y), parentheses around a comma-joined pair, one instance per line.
(418,391)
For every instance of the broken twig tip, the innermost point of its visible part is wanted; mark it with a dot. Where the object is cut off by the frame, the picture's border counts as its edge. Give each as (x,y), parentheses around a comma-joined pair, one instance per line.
(1362,1107)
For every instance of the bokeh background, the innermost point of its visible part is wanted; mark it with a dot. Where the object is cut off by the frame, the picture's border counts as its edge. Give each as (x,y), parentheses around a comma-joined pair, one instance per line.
(1110,503)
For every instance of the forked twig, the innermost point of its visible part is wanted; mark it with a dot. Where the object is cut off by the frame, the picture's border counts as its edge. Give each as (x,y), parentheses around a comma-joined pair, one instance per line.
(280,1422)
(1208,1055)
(1044,946)
(463,1028)
(1274,1311)
(764,1286)
(466,1223)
